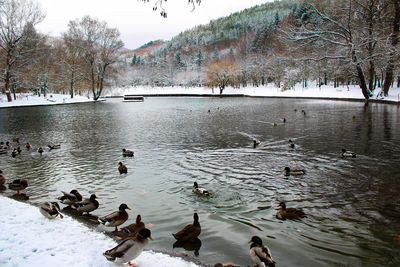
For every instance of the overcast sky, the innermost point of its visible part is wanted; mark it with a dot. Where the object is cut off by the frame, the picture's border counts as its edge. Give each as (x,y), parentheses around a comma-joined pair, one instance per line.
(137,21)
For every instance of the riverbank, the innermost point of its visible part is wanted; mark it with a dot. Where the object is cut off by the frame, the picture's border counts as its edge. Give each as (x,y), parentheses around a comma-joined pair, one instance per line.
(326,92)
(29,239)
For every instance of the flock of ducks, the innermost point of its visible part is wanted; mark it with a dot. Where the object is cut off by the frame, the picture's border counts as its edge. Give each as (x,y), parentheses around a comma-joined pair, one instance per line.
(134,237)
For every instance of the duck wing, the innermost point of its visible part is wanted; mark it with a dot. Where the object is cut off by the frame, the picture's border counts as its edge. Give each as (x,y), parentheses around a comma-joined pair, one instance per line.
(189,232)
(120,250)
(261,254)
(115,217)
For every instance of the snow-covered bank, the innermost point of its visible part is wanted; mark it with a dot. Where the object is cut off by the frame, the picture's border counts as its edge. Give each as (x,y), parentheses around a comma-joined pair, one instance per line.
(312,91)
(29,239)
(34,100)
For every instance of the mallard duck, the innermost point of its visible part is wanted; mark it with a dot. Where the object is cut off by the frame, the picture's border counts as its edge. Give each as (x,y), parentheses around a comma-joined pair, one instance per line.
(14,153)
(127,153)
(291,143)
(260,254)
(190,232)
(284,120)
(28,146)
(348,154)
(134,227)
(18,184)
(2,178)
(19,150)
(200,191)
(71,197)
(40,150)
(122,168)
(290,213)
(129,249)
(289,171)
(87,205)
(256,143)
(50,210)
(54,146)
(116,218)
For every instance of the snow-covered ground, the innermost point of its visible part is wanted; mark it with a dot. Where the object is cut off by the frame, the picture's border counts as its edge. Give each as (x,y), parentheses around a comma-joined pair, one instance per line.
(312,91)
(50,99)
(27,238)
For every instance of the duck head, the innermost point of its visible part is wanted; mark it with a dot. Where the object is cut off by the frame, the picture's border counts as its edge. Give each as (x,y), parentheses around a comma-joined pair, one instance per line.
(145,233)
(195,185)
(123,207)
(255,241)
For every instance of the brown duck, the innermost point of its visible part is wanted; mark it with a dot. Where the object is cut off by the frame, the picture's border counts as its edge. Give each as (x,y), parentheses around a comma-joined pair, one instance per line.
(2,178)
(18,184)
(189,232)
(116,218)
(86,205)
(290,213)
(122,168)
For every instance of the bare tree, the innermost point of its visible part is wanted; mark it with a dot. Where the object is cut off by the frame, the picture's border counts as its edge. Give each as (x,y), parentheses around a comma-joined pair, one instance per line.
(17,18)
(223,73)
(158,5)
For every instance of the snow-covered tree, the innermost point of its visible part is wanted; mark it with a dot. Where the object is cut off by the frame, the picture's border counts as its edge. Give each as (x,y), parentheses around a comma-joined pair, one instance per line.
(223,73)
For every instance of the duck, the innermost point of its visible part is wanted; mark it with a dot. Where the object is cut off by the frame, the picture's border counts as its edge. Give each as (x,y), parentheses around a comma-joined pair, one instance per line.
(18,184)
(275,124)
(40,150)
(87,205)
(122,168)
(260,254)
(291,143)
(190,232)
(289,171)
(19,150)
(348,154)
(2,178)
(284,120)
(71,197)
(16,140)
(50,210)
(200,191)
(28,146)
(14,153)
(116,218)
(134,227)
(256,143)
(130,248)
(290,213)
(127,153)
(54,146)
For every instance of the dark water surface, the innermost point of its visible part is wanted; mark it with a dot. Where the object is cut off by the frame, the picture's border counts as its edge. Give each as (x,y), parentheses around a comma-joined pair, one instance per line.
(353,205)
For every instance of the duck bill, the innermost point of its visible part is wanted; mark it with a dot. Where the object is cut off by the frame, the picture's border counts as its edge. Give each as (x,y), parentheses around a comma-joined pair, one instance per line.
(249,241)
(61,216)
(129,208)
(151,238)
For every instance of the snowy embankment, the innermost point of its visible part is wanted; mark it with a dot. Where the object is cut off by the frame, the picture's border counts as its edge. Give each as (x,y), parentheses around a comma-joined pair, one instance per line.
(312,91)
(29,239)
(34,100)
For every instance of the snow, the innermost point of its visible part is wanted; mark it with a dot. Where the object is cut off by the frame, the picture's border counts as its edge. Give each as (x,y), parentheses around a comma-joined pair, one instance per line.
(50,99)
(352,92)
(29,239)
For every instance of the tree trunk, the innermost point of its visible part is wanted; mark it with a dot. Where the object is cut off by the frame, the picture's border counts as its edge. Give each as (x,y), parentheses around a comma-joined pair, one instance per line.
(394,37)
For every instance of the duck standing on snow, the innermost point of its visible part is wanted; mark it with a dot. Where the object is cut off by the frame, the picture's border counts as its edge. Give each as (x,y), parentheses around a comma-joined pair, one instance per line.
(260,254)
(290,213)
(190,232)
(122,168)
(200,191)
(87,205)
(50,210)
(127,153)
(2,178)
(71,197)
(289,171)
(129,249)
(18,184)
(116,218)
(348,154)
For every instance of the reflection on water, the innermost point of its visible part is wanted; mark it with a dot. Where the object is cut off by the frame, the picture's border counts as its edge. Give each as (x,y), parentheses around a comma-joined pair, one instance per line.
(352,205)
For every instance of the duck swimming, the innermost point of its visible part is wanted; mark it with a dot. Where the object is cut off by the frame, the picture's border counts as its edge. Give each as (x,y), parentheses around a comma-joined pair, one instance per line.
(289,171)
(87,205)
(18,184)
(256,143)
(40,150)
(116,218)
(50,210)
(54,146)
(28,146)
(190,232)
(122,168)
(127,153)
(290,213)
(129,249)
(291,144)
(71,197)
(260,254)
(348,154)
(200,191)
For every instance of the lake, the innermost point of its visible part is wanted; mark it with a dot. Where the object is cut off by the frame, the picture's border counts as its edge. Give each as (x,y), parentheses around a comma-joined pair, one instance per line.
(352,205)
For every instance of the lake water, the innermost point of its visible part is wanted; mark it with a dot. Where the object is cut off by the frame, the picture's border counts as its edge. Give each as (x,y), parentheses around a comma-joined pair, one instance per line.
(352,205)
